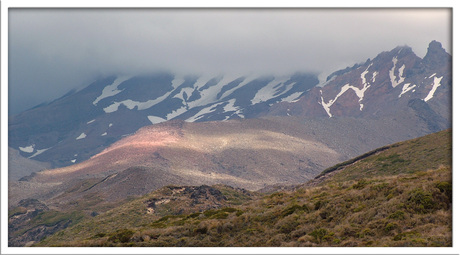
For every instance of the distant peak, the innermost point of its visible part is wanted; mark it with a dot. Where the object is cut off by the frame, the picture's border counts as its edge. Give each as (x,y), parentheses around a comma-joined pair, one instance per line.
(435,45)
(436,55)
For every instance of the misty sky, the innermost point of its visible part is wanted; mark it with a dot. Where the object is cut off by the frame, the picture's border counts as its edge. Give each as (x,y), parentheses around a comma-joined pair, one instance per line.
(54,50)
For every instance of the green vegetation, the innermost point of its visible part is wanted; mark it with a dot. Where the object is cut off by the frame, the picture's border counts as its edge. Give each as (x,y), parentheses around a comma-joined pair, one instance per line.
(417,214)
(427,152)
(398,196)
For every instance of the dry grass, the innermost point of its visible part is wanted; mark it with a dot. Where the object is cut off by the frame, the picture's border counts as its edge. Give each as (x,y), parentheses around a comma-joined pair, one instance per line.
(402,210)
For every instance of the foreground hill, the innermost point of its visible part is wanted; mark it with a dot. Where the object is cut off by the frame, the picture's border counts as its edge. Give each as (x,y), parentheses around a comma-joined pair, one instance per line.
(409,204)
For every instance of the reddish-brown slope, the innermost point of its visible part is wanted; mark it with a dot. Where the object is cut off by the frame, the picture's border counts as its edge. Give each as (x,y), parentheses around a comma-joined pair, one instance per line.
(249,154)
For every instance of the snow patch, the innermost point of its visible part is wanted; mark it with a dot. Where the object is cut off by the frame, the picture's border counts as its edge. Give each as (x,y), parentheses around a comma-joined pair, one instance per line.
(39,152)
(177,82)
(268,91)
(228,107)
(243,83)
(363,74)
(188,92)
(110,124)
(176,113)
(111,90)
(28,149)
(202,112)
(294,97)
(91,121)
(358,92)
(131,104)
(436,84)
(73,160)
(105,133)
(374,74)
(155,119)
(209,95)
(406,88)
(431,76)
(324,83)
(81,136)
(396,79)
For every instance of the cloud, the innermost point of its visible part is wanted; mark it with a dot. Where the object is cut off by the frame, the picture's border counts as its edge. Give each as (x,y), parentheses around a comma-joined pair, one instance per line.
(54,50)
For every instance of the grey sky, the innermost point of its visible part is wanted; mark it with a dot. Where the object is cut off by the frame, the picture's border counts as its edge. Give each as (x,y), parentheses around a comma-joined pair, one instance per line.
(54,50)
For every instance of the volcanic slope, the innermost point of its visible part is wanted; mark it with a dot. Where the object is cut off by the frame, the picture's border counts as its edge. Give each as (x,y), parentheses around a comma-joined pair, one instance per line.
(82,123)
(250,154)
(408,204)
(246,154)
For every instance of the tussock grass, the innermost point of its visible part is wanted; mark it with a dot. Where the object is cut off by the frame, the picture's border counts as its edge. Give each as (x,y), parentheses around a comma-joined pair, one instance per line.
(399,196)
(383,211)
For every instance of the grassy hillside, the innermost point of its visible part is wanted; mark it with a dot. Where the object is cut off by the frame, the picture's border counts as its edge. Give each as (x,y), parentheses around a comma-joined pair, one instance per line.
(427,152)
(400,195)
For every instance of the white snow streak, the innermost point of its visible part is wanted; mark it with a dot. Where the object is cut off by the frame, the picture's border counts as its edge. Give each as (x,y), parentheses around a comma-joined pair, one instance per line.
(110,124)
(155,119)
(131,104)
(431,76)
(374,74)
(407,88)
(177,82)
(268,91)
(358,92)
(91,121)
(39,152)
(176,113)
(209,95)
(363,74)
(244,82)
(294,97)
(393,77)
(112,89)
(81,136)
(28,149)
(202,112)
(105,133)
(436,84)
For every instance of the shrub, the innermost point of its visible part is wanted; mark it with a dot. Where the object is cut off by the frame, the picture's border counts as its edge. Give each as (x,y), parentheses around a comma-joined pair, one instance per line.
(398,215)
(445,187)
(390,226)
(360,184)
(121,236)
(201,230)
(421,201)
(403,236)
(290,210)
(321,234)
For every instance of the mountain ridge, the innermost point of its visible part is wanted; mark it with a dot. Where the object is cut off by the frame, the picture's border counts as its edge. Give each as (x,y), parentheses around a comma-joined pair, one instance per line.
(77,126)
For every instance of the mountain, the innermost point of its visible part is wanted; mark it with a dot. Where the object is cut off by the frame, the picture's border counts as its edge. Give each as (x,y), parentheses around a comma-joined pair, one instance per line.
(81,124)
(246,153)
(20,166)
(398,195)
(391,83)
(121,138)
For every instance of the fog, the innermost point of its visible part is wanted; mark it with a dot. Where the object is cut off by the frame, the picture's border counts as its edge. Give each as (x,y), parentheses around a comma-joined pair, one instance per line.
(52,51)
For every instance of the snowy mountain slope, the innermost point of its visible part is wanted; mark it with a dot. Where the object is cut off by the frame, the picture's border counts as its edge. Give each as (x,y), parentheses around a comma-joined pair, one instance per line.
(382,86)
(81,124)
